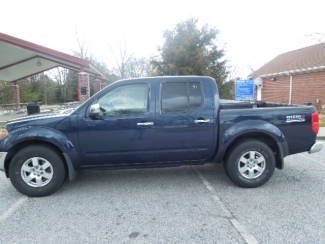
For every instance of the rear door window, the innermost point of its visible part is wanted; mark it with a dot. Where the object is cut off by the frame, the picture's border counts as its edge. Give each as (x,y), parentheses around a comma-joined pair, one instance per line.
(195,95)
(180,96)
(174,97)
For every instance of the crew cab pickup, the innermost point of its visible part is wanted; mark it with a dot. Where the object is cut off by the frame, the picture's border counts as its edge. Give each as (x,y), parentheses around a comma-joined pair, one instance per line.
(156,122)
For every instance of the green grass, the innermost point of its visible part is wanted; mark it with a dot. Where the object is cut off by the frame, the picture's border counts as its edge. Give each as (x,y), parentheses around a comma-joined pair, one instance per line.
(322,120)
(322,123)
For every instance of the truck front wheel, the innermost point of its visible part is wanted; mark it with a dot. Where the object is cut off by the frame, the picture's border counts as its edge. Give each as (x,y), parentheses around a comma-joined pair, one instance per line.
(250,163)
(37,170)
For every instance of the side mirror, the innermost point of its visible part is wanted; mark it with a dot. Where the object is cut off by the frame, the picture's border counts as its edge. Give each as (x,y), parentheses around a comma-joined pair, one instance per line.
(95,111)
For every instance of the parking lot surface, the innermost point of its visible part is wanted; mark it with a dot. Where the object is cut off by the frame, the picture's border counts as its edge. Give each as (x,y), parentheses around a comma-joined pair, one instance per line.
(172,205)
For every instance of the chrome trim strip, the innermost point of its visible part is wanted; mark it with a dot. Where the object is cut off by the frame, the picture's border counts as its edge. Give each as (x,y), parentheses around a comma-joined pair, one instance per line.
(200,121)
(146,123)
(3,156)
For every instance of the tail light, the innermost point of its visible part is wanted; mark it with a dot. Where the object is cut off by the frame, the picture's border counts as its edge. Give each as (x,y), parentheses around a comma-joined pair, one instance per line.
(315,122)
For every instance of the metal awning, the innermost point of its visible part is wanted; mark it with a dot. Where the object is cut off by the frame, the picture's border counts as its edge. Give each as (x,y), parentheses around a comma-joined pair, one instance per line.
(20,59)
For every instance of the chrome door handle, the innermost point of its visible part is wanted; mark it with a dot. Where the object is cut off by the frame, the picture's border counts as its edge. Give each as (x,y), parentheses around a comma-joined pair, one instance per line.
(201,121)
(145,123)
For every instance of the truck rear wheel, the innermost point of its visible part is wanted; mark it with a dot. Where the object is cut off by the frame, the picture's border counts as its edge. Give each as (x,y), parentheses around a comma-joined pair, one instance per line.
(250,164)
(37,171)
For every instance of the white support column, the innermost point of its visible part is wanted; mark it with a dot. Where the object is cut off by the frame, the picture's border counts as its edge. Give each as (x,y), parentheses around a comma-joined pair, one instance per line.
(259,84)
(259,93)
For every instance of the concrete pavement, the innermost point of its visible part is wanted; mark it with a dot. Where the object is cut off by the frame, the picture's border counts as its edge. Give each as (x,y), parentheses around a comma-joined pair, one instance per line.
(321,133)
(172,205)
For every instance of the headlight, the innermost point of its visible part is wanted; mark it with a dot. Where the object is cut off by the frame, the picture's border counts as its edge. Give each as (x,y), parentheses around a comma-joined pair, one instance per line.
(3,133)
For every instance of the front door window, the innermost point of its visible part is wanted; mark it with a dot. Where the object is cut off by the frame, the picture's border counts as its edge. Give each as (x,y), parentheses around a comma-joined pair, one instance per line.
(125,100)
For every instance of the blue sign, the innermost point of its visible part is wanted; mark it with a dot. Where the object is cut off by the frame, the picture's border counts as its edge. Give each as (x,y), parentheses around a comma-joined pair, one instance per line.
(245,90)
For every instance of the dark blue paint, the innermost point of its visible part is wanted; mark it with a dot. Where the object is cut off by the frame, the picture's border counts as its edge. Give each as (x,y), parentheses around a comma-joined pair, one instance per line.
(118,142)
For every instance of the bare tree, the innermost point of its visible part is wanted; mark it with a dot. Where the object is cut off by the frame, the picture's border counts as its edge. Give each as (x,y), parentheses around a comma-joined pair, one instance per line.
(138,67)
(61,77)
(82,51)
(122,59)
(129,66)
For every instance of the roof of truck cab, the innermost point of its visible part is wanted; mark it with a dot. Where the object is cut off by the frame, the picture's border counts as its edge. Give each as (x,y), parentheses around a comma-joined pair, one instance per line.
(169,78)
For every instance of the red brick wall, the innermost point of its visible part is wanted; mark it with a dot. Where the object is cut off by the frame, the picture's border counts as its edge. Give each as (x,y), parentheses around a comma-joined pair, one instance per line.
(15,94)
(309,88)
(96,86)
(305,88)
(83,85)
(277,90)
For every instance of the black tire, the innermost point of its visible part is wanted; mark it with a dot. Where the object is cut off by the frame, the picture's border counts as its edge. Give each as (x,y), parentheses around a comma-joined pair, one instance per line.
(59,171)
(231,164)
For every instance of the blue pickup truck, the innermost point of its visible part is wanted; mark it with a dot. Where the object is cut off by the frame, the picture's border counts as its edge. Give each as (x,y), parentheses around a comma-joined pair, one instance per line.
(156,122)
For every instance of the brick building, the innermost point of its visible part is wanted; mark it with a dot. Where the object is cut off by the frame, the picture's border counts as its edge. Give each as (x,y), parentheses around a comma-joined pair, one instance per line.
(295,77)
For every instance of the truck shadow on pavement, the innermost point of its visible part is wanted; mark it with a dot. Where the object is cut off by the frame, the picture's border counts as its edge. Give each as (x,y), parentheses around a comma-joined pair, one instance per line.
(153,177)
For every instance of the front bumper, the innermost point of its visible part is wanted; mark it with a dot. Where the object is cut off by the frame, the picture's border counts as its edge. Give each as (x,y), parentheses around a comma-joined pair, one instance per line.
(3,156)
(318,146)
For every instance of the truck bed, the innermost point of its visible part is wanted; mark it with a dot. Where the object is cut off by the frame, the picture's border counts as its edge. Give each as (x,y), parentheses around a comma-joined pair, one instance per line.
(294,121)
(233,104)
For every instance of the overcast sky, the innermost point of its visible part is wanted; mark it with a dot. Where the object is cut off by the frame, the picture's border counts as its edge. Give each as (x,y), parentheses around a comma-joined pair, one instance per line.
(252,32)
